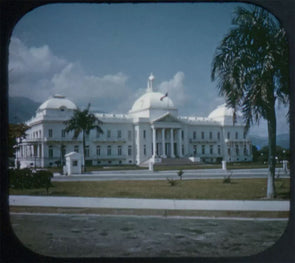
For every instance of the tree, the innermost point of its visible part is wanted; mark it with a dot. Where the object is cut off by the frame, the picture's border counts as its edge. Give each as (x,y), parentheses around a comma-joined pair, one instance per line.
(15,131)
(83,121)
(251,65)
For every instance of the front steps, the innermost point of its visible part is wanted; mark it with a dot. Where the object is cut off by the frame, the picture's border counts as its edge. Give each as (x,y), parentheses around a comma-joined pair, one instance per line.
(170,162)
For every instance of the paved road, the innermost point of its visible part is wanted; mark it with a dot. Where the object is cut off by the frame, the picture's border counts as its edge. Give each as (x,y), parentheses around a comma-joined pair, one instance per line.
(76,235)
(162,175)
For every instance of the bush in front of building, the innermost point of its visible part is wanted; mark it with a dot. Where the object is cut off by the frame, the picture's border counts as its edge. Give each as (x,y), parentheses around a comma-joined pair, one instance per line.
(180,173)
(28,179)
(172,182)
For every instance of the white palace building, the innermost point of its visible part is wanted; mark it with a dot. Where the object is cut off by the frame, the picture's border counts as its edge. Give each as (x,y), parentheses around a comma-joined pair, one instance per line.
(150,131)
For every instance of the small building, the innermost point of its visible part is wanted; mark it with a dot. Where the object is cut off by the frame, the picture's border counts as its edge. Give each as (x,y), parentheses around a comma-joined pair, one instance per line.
(151,130)
(73,163)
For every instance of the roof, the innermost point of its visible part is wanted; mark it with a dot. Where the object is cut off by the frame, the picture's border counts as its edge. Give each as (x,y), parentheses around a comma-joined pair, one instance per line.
(222,111)
(57,102)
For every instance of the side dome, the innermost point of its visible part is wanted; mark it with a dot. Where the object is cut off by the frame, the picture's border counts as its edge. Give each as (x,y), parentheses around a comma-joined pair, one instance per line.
(225,115)
(152,100)
(57,102)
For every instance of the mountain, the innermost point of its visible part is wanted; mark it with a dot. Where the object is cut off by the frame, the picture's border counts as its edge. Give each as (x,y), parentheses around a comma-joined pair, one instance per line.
(283,140)
(21,109)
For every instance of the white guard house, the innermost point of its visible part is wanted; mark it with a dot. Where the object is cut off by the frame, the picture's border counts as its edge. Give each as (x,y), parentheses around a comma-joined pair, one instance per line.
(73,163)
(151,130)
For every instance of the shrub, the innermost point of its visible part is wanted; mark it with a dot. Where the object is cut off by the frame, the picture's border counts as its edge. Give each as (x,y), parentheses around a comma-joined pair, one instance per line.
(180,173)
(26,178)
(227,177)
(172,182)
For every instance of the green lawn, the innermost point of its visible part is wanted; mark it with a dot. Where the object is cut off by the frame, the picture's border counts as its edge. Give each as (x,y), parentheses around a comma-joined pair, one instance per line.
(238,189)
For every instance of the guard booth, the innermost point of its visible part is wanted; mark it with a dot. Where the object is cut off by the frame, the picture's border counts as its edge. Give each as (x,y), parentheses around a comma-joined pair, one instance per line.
(73,163)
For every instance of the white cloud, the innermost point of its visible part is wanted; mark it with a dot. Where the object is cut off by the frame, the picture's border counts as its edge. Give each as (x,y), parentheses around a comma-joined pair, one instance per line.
(83,88)
(35,72)
(175,88)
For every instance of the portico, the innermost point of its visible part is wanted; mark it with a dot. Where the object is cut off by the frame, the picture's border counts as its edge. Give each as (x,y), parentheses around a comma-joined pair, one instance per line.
(166,137)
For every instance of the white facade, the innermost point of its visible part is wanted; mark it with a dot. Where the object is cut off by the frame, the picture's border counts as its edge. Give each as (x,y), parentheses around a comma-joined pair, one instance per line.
(151,130)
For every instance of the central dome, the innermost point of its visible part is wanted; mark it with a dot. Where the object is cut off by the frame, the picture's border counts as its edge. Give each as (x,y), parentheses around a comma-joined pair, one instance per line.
(152,104)
(152,100)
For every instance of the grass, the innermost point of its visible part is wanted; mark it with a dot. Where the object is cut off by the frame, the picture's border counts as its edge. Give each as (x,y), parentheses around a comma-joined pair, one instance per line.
(238,189)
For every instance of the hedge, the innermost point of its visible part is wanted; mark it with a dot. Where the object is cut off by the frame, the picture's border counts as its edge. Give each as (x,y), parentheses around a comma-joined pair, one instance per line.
(28,179)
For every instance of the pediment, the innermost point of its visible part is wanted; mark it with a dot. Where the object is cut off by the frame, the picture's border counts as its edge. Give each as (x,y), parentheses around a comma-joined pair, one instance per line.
(166,118)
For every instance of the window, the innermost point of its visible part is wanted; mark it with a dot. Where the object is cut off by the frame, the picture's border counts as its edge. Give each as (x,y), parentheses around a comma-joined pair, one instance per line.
(75,163)
(50,151)
(129,135)
(50,133)
(218,135)
(119,150)
(182,134)
(194,135)
(97,133)
(228,135)
(109,134)
(63,150)
(144,134)
(98,150)
(87,151)
(219,149)
(129,150)
(119,134)
(237,135)
(211,149)
(76,148)
(63,133)
(195,150)
(203,149)
(228,151)
(144,149)
(237,150)
(245,150)
(210,135)
(109,150)
(202,135)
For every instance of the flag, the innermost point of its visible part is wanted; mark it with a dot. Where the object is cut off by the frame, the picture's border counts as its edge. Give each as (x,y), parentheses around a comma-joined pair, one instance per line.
(166,95)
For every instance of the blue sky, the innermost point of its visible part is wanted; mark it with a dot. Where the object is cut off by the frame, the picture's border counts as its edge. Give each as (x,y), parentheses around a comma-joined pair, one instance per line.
(104,53)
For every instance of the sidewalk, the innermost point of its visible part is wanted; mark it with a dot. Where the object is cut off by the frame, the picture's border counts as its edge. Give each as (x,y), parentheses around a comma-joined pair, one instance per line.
(149,204)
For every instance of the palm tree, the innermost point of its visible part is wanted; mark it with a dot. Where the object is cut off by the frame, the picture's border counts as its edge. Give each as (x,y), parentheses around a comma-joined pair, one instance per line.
(83,122)
(251,66)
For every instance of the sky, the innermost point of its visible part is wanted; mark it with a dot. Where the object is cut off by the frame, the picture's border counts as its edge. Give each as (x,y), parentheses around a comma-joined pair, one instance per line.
(103,54)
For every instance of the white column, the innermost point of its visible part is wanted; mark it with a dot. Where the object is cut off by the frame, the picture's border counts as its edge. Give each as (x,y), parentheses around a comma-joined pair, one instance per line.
(180,143)
(163,143)
(154,141)
(172,143)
